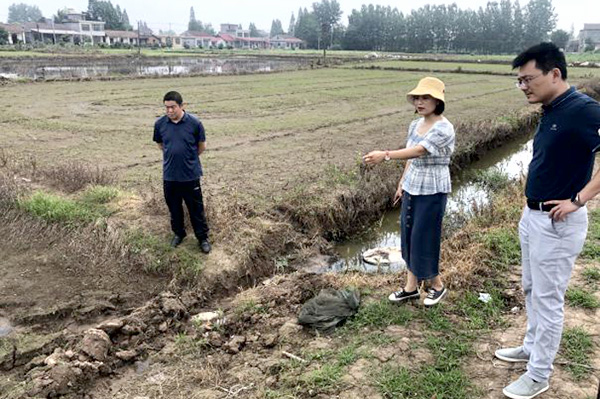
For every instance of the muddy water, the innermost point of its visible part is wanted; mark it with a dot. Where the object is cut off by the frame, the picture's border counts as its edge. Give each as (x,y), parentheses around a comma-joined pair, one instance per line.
(512,159)
(65,68)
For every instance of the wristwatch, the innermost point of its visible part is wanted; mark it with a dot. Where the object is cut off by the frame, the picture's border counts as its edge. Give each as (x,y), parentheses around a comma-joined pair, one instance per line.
(577,201)
(387,156)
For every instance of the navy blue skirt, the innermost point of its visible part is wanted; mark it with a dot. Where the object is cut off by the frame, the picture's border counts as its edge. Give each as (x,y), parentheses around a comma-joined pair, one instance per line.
(421,233)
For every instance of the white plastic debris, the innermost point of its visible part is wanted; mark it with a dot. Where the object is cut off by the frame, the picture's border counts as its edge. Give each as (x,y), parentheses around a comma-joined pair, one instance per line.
(383,256)
(485,297)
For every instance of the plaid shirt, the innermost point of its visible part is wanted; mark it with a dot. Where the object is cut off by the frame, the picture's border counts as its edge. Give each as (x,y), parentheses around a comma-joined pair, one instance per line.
(430,174)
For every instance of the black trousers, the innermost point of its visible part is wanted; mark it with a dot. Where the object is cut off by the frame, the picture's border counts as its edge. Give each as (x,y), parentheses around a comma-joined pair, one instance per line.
(189,192)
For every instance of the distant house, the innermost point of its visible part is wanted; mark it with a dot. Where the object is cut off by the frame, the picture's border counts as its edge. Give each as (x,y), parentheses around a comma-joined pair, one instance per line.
(253,43)
(589,34)
(194,39)
(16,33)
(123,37)
(173,41)
(227,40)
(75,30)
(286,42)
(230,29)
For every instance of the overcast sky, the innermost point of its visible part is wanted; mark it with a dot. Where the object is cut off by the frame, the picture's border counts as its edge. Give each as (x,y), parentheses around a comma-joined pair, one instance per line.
(176,13)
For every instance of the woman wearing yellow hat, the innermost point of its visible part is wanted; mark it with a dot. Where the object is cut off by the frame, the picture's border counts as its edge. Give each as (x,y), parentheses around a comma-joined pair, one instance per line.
(423,188)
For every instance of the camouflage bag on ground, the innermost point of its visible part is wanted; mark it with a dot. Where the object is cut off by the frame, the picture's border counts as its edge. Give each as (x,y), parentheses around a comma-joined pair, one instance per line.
(329,309)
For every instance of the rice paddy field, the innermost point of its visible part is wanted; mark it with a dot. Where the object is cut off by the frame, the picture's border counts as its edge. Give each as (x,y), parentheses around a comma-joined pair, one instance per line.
(84,234)
(285,129)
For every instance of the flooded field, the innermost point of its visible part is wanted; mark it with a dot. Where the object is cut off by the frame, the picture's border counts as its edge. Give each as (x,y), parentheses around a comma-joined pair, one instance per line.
(79,67)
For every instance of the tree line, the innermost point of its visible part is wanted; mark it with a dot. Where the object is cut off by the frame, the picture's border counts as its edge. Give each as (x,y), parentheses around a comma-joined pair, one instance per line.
(499,27)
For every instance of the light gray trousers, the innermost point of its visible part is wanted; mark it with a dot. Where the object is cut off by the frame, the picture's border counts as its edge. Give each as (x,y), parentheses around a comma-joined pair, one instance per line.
(549,249)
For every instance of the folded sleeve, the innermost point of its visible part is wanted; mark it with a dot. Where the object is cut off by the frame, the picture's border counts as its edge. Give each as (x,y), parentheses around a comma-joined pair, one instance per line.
(439,139)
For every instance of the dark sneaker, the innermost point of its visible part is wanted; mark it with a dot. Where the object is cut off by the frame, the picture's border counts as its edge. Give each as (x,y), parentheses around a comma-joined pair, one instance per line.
(525,388)
(513,355)
(176,241)
(205,246)
(434,296)
(402,295)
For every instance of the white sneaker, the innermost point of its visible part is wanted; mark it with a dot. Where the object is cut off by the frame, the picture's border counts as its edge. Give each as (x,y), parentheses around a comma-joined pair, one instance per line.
(433,296)
(525,388)
(513,355)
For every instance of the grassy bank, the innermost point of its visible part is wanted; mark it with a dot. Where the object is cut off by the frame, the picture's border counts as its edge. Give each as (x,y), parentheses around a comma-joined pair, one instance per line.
(386,350)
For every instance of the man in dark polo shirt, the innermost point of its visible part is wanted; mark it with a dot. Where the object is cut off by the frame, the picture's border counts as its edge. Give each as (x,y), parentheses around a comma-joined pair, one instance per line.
(180,137)
(554,223)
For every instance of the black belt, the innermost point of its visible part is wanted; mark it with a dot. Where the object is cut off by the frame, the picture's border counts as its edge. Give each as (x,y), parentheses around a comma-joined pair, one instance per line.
(539,206)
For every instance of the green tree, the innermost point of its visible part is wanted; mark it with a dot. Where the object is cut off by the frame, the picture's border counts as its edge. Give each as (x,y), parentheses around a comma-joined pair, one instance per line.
(253,30)
(292,26)
(23,13)
(307,28)
(560,38)
(518,28)
(60,16)
(328,14)
(276,28)
(540,21)
(99,10)
(3,36)
(194,25)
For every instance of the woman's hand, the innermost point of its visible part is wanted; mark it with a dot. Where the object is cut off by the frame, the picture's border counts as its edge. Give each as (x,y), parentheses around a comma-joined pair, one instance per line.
(374,157)
(398,195)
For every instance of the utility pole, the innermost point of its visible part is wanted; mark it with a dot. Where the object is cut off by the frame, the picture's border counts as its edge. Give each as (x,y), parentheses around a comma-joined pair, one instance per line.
(138,40)
(53,31)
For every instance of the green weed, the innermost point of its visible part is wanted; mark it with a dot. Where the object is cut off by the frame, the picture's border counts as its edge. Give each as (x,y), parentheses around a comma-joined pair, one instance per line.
(55,209)
(581,298)
(477,315)
(380,314)
(426,383)
(492,179)
(324,378)
(591,274)
(436,318)
(448,350)
(99,194)
(577,349)
(505,245)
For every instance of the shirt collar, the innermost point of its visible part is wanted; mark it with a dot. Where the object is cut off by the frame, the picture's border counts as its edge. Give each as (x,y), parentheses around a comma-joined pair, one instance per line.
(183,119)
(560,99)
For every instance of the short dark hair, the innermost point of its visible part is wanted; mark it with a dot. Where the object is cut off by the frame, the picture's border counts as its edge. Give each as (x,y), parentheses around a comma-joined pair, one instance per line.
(173,96)
(439,108)
(547,56)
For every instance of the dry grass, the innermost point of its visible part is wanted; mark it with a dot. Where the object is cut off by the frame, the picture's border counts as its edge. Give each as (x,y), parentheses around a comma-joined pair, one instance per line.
(73,176)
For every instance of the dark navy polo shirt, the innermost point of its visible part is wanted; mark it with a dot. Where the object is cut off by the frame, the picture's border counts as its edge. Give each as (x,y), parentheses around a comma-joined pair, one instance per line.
(564,147)
(180,147)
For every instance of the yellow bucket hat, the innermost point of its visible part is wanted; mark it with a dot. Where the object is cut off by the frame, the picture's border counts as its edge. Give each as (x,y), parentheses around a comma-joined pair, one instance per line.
(431,86)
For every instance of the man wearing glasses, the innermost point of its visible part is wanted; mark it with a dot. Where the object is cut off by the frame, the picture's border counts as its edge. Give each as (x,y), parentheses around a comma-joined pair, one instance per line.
(554,223)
